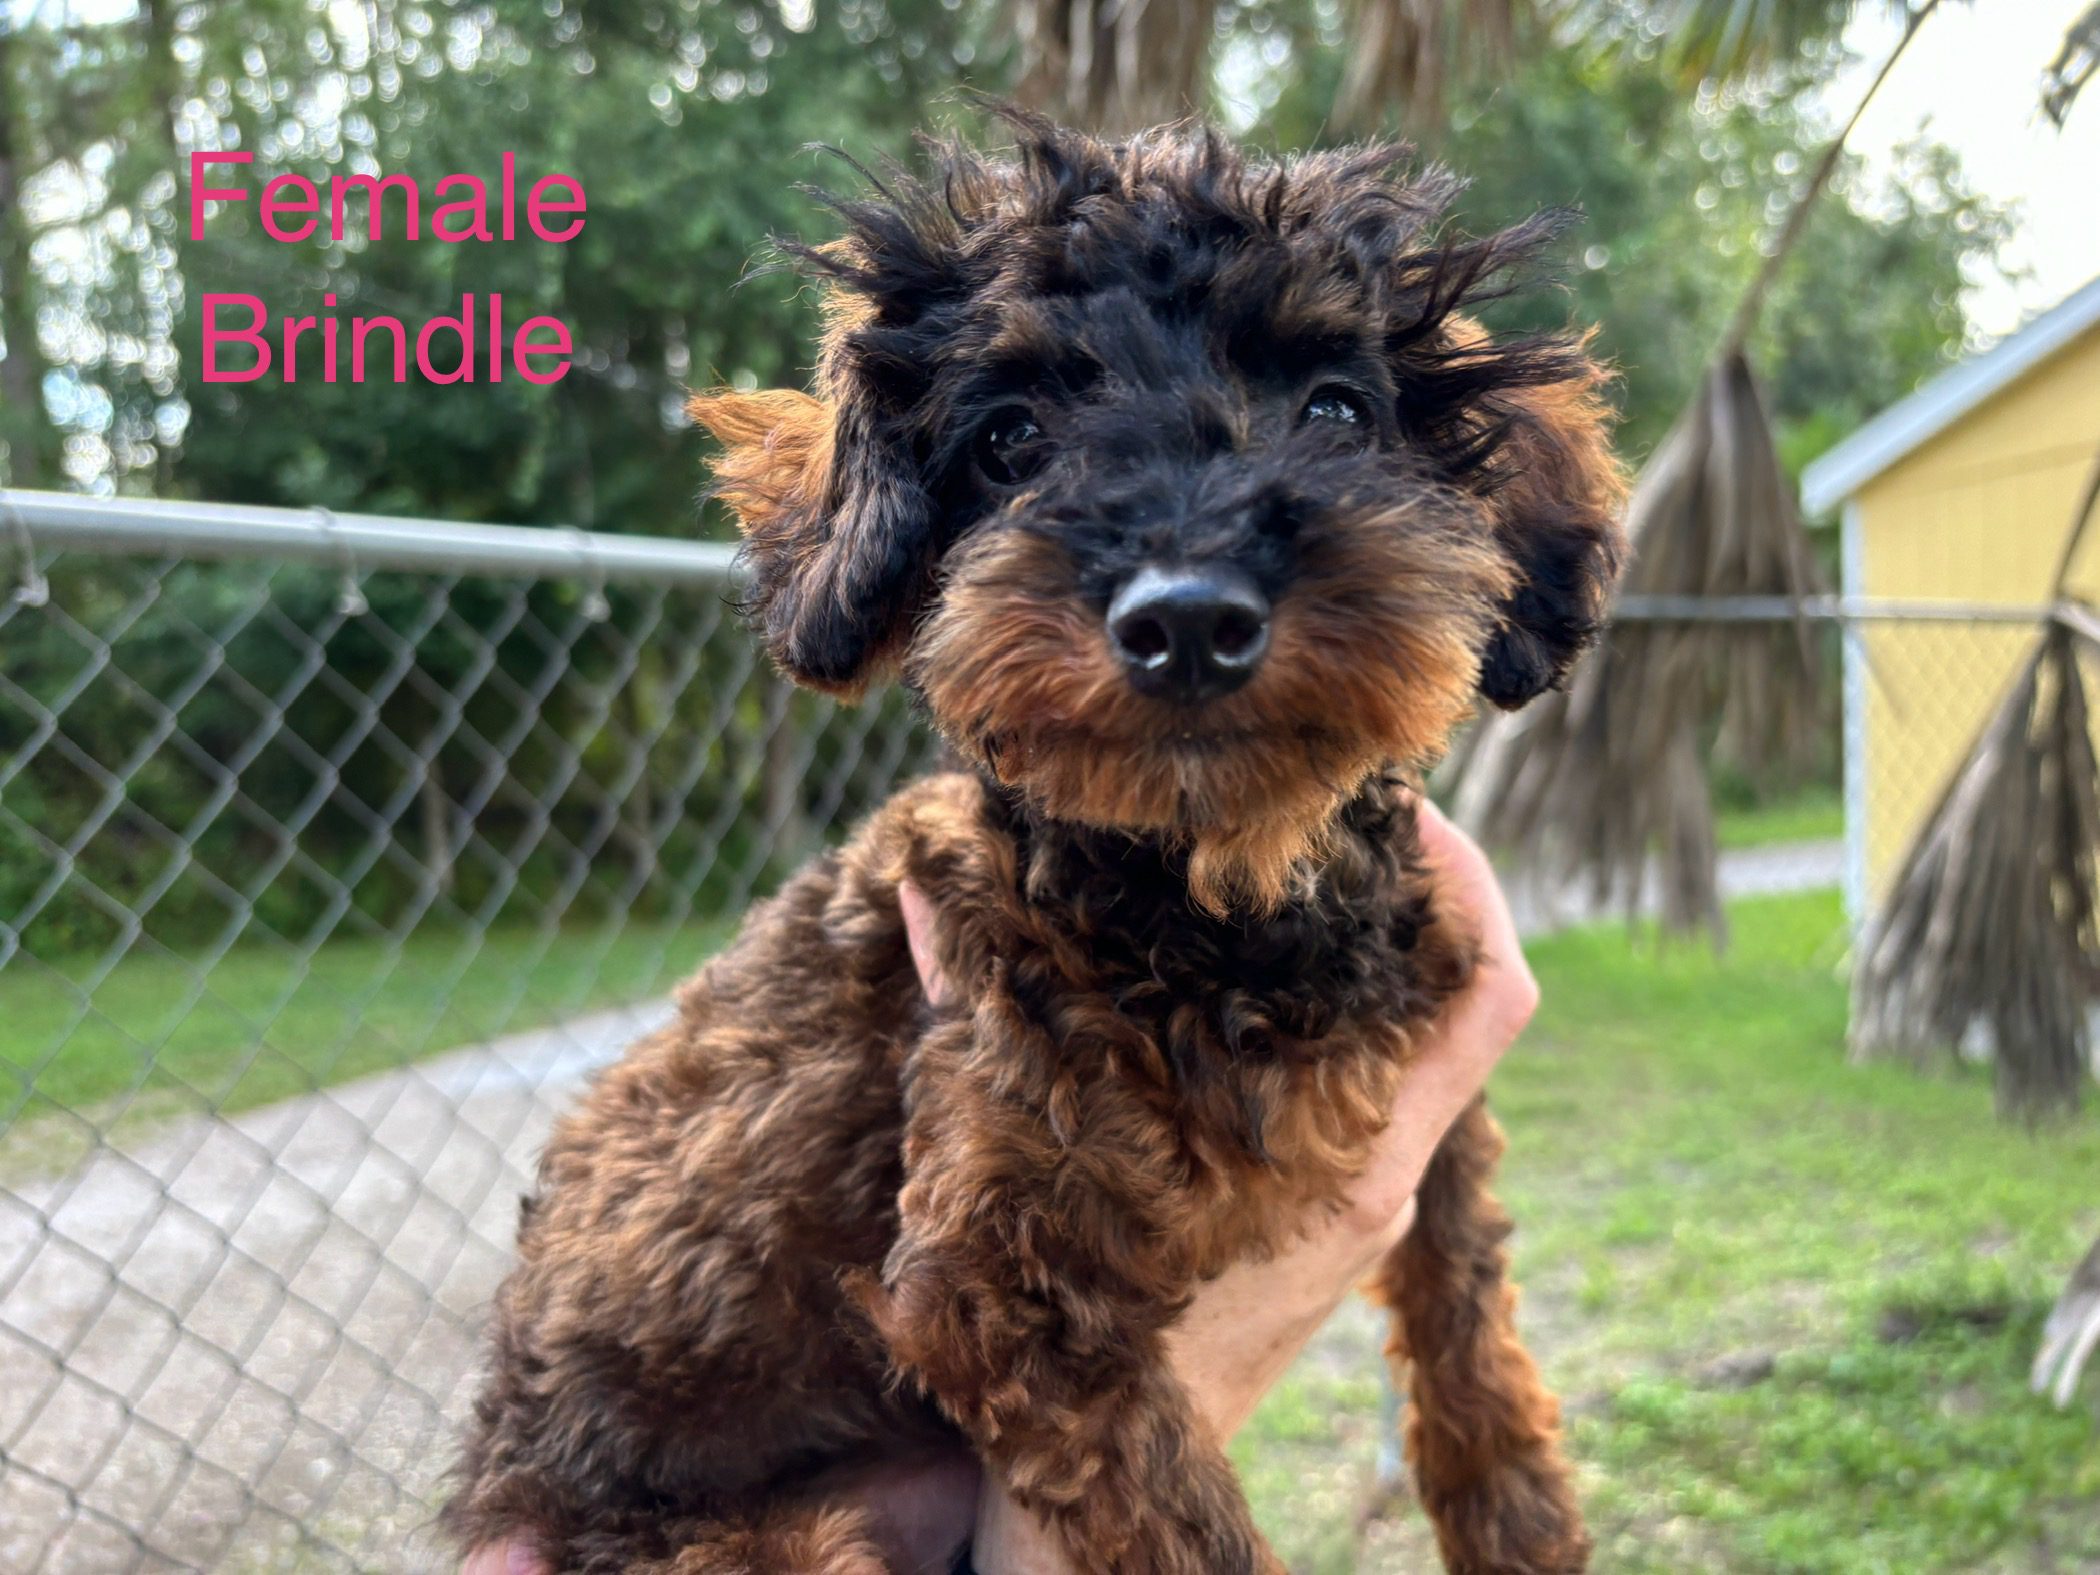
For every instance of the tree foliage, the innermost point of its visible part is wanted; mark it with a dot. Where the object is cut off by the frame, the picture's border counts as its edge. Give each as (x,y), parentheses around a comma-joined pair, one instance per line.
(1677,200)
(686,120)
(686,125)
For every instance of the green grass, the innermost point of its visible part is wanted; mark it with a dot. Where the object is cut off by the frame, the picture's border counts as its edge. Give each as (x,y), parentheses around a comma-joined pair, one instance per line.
(1699,1175)
(1814,814)
(262,1024)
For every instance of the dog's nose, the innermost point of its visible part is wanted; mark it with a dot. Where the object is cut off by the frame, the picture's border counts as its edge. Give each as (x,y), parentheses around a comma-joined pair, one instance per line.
(1191,633)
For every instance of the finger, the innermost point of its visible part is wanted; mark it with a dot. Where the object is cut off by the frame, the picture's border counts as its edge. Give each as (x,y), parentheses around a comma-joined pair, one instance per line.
(1503,994)
(921,1509)
(505,1558)
(1462,1046)
(1389,1234)
(1465,880)
(918,932)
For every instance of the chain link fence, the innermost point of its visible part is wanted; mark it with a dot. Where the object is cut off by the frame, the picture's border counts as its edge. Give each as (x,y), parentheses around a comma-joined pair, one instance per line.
(323,881)
(333,854)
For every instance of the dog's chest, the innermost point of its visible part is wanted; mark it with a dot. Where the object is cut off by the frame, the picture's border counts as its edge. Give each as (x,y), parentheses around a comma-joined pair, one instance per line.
(1345,952)
(1272,1049)
(1269,1041)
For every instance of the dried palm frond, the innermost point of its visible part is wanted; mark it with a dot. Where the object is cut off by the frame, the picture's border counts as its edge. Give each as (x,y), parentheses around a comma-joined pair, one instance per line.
(1600,780)
(1118,65)
(2073,66)
(2072,1333)
(1725,38)
(1993,926)
(1115,65)
(1407,55)
(1593,784)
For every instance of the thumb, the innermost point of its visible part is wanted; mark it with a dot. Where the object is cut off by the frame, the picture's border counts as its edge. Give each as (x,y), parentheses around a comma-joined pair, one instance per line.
(918,931)
(512,1557)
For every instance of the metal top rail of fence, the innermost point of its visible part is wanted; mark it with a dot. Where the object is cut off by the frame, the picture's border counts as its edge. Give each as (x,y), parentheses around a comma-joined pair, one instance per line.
(355,542)
(1824,609)
(358,542)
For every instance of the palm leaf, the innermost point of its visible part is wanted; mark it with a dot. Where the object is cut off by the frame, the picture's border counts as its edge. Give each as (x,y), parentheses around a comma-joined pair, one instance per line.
(1617,778)
(2071,1334)
(1115,65)
(1405,56)
(1119,65)
(1605,784)
(2073,66)
(1718,39)
(1991,928)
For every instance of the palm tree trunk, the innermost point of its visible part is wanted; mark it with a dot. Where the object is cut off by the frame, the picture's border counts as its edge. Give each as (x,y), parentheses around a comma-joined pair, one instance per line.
(164,77)
(24,423)
(1115,66)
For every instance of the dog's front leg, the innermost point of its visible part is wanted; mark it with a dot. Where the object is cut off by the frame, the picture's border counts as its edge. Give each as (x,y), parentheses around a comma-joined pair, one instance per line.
(1033,1273)
(1484,1433)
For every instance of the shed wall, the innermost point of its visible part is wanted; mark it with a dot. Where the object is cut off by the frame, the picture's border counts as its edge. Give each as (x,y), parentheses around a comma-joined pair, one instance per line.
(1978,513)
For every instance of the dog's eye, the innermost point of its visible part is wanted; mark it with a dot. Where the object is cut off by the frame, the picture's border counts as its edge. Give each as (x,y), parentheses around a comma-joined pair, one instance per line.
(1010,448)
(1343,407)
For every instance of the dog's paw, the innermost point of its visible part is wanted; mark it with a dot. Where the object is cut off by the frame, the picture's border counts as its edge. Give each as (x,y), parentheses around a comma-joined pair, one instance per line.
(1520,1519)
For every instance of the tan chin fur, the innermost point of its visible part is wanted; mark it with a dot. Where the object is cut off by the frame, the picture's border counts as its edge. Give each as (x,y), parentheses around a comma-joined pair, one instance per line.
(1374,658)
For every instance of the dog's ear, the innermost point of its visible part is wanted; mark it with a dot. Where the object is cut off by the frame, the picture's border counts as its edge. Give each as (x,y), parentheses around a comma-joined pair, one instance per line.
(1557,497)
(837,527)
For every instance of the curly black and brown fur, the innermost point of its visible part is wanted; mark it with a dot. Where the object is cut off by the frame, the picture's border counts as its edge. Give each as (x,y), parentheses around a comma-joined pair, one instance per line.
(816,1222)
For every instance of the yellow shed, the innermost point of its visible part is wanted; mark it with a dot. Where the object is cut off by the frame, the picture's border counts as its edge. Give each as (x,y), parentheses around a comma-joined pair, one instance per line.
(1961,495)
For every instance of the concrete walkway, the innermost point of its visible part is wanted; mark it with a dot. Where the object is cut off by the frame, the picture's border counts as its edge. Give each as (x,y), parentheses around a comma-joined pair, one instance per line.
(246,1343)
(1747,872)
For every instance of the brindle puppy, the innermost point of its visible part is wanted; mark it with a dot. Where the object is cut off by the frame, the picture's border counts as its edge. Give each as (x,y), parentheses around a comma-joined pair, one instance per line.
(1179,488)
